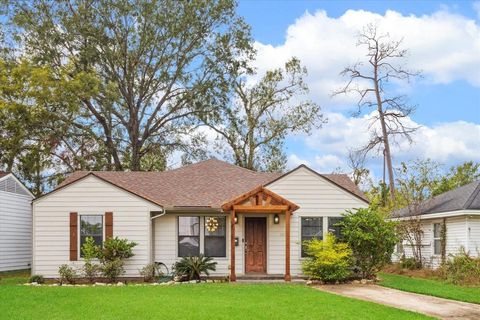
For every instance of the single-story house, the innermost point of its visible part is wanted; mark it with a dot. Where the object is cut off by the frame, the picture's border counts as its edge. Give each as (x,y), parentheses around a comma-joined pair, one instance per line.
(15,224)
(251,223)
(458,212)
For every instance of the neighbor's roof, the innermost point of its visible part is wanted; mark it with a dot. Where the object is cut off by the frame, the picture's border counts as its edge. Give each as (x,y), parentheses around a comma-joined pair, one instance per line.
(466,197)
(3,174)
(204,184)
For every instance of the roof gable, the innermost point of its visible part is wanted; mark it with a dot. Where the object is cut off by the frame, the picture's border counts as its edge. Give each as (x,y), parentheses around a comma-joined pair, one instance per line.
(10,183)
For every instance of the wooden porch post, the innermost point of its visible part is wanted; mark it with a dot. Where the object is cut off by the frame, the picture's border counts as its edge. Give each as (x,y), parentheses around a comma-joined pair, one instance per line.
(233,277)
(287,246)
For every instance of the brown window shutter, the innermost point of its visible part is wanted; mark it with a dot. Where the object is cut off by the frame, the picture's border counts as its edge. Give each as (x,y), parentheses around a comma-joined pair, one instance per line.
(108,225)
(73,236)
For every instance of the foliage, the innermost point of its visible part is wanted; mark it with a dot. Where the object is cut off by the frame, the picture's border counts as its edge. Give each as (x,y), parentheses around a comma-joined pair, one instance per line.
(112,256)
(36,278)
(252,124)
(141,71)
(328,260)
(431,287)
(67,274)
(458,176)
(371,237)
(462,269)
(409,263)
(90,251)
(193,267)
(148,272)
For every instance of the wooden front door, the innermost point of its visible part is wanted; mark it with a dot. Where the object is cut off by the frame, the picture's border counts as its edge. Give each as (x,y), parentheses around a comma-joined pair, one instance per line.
(256,245)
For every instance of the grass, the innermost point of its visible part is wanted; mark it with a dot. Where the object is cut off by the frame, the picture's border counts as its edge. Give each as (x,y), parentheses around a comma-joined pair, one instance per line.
(431,287)
(196,301)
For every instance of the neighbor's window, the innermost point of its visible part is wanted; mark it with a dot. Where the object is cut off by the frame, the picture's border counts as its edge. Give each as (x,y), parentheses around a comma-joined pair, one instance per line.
(437,238)
(91,226)
(312,227)
(188,236)
(215,237)
(334,228)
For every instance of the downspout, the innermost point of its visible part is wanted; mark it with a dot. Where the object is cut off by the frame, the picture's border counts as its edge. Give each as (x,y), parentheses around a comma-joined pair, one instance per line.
(152,225)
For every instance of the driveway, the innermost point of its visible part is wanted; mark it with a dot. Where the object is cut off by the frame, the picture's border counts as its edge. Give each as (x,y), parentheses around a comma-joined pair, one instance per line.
(432,306)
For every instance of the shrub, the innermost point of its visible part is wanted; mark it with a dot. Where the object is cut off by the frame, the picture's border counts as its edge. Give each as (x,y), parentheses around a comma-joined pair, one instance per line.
(193,267)
(36,278)
(409,263)
(67,274)
(90,251)
(113,255)
(371,237)
(148,272)
(463,269)
(328,260)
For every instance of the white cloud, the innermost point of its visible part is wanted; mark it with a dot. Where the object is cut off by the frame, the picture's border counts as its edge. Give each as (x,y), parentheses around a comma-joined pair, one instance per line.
(294,161)
(448,143)
(444,45)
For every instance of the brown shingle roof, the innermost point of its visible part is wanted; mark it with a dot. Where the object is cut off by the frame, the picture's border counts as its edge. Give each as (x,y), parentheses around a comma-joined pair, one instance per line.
(204,184)
(3,174)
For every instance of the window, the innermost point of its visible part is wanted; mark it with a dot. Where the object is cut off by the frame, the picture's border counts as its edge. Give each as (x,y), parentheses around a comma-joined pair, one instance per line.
(311,228)
(215,240)
(334,228)
(188,236)
(91,226)
(437,240)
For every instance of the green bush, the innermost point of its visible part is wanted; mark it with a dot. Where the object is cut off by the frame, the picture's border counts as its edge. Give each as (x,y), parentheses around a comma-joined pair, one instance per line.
(148,272)
(328,260)
(409,263)
(36,278)
(371,237)
(67,274)
(193,267)
(462,269)
(113,255)
(90,251)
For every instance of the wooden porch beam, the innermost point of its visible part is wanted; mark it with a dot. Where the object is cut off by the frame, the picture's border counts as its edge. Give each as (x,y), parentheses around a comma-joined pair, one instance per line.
(262,209)
(233,276)
(287,246)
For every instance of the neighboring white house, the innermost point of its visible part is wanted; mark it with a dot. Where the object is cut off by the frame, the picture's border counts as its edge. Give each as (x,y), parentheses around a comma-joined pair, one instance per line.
(15,224)
(459,211)
(252,223)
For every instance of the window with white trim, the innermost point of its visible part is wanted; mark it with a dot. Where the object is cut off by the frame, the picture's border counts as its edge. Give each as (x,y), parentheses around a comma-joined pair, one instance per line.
(188,236)
(215,242)
(335,228)
(312,228)
(437,238)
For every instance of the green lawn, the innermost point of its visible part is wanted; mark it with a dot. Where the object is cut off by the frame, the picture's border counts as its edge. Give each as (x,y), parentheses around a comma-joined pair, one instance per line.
(431,287)
(196,301)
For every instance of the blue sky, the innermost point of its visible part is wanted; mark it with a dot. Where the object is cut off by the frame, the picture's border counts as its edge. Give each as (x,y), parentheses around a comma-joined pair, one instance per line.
(443,38)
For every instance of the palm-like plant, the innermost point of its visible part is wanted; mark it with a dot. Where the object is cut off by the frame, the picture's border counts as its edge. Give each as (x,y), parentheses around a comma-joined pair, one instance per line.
(193,267)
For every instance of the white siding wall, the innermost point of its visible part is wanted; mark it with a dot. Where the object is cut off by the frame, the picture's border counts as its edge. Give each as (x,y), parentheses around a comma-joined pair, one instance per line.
(456,237)
(317,197)
(474,235)
(131,220)
(15,231)
(166,246)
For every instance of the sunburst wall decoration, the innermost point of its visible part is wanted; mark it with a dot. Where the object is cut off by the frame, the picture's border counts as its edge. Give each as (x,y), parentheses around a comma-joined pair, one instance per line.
(211,224)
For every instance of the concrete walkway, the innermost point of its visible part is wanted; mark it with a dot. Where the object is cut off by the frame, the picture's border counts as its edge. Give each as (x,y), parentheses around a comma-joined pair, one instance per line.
(432,306)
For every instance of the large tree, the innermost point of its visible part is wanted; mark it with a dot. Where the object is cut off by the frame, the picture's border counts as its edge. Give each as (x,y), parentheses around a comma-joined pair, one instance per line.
(256,116)
(142,71)
(372,81)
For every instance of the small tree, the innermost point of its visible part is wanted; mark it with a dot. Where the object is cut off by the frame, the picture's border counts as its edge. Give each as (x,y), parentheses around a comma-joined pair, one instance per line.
(371,237)
(328,260)
(90,251)
(113,255)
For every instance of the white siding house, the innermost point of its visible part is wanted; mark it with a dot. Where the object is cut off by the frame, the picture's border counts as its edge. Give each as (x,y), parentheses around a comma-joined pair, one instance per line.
(459,210)
(15,224)
(168,215)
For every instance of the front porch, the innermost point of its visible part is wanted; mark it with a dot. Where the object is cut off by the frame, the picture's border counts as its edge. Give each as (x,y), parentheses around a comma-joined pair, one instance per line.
(257,207)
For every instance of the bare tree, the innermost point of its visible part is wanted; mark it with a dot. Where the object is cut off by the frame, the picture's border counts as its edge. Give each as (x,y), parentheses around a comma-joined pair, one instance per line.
(371,81)
(356,163)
